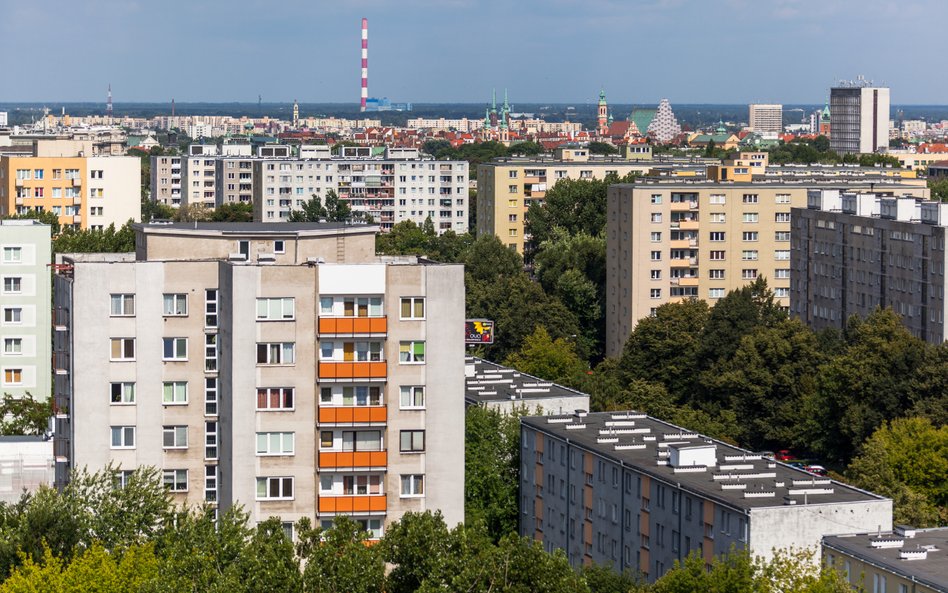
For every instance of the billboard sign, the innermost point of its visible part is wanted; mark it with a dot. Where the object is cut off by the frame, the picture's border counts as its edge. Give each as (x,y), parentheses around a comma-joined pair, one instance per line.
(478,331)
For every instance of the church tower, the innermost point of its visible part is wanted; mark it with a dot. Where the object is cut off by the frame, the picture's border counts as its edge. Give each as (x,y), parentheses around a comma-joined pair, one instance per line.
(296,115)
(603,114)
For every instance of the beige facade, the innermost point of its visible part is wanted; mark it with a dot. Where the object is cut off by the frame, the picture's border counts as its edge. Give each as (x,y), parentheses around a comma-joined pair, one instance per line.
(240,358)
(166,180)
(672,240)
(765,118)
(198,183)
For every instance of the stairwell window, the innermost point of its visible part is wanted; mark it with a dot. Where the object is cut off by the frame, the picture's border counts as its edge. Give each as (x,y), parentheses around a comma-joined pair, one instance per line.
(412,352)
(413,308)
(413,485)
(412,397)
(176,305)
(412,441)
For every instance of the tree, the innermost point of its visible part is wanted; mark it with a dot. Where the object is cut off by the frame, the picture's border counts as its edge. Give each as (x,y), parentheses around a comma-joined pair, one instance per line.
(233,212)
(108,240)
(154,210)
(416,546)
(546,358)
(335,210)
(491,469)
(488,258)
(526,149)
(24,415)
(338,559)
(939,188)
(267,564)
(192,213)
(94,569)
(907,460)
(44,217)
(602,148)
(604,578)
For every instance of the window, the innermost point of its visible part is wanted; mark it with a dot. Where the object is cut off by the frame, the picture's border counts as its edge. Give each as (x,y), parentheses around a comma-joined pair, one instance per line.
(750,198)
(656,256)
(174,437)
(717,217)
(174,392)
(123,437)
(412,441)
(413,485)
(122,393)
(123,305)
(174,348)
(13,346)
(783,198)
(782,217)
(749,236)
(716,199)
(716,256)
(411,352)
(656,198)
(176,305)
(512,174)
(655,237)
(782,273)
(655,274)
(412,396)
(750,217)
(210,307)
(12,284)
(274,488)
(716,236)
(413,308)
(749,255)
(123,349)
(655,293)
(279,247)
(782,254)
(243,248)
(656,217)
(275,398)
(782,293)
(748,274)
(175,480)
(12,315)
(275,443)
(782,236)
(12,255)
(12,376)
(716,274)
(210,396)
(276,309)
(276,353)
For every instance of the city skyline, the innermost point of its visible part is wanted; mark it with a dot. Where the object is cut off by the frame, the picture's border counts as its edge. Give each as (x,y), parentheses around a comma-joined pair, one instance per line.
(793,51)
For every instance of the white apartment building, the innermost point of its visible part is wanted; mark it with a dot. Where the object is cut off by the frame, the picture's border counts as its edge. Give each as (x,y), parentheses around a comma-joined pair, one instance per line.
(24,308)
(766,118)
(114,186)
(860,118)
(283,367)
(199,174)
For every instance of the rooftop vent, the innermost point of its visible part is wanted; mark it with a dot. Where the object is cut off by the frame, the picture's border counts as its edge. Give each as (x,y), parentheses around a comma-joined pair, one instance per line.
(905,531)
(886,541)
(918,553)
(692,455)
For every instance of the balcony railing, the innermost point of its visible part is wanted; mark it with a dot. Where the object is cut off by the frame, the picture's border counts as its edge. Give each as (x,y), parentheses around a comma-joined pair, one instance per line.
(353,325)
(372,503)
(344,459)
(353,370)
(353,415)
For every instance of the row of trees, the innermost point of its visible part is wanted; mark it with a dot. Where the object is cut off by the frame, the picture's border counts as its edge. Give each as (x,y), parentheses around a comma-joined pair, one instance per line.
(97,535)
(817,150)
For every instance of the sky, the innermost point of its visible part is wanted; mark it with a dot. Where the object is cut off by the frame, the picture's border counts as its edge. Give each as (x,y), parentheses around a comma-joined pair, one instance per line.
(556,51)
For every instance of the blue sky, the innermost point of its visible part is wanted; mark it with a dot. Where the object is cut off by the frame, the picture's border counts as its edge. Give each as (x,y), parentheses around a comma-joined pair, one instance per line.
(708,51)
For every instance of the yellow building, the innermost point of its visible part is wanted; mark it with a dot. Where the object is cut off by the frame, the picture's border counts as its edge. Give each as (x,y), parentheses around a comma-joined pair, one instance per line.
(673,239)
(919,161)
(44,184)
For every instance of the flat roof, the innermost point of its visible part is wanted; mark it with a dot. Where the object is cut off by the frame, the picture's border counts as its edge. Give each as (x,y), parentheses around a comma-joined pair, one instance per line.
(774,182)
(740,479)
(932,570)
(255,228)
(490,382)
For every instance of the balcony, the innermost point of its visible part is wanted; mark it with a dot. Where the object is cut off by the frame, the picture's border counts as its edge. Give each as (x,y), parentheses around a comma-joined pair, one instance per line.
(350,326)
(683,206)
(352,459)
(353,415)
(376,503)
(19,201)
(685,281)
(352,370)
(77,200)
(681,243)
(77,219)
(688,225)
(76,182)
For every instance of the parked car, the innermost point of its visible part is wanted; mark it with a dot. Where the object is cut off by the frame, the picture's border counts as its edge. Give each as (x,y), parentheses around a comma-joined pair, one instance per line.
(816,469)
(797,464)
(784,455)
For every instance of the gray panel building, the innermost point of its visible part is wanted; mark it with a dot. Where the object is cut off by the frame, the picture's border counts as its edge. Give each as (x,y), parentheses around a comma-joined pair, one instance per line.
(639,493)
(503,388)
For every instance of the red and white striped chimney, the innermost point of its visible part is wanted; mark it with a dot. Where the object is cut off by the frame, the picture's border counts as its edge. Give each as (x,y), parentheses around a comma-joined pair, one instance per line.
(365,62)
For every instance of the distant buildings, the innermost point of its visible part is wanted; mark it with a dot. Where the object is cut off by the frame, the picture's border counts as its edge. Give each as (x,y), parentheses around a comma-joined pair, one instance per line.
(905,560)
(25,309)
(506,389)
(860,118)
(766,118)
(664,127)
(853,252)
(672,239)
(640,494)
(283,367)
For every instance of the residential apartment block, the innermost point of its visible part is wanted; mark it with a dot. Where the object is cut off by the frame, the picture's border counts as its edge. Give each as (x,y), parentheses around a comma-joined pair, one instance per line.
(495,386)
(507,187)
(639,493)
(765,118)
(860,118)
(905,560)
(63,177)
(852,252)
(283,367)
(674,239)
(24,309)
(166,180)
(199,175)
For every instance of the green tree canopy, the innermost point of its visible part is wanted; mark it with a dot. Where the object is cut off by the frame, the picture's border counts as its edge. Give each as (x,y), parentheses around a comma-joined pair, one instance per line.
(546,358)
(335,210)
(491,469)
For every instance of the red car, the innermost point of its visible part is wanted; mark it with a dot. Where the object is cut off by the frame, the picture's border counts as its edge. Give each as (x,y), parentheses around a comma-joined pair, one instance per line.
(784,455)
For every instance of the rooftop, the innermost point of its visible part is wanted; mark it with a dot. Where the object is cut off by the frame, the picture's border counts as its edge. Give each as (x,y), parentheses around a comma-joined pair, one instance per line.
(490,382)
(795,181)
(255,228)
(710,468)
(919,555)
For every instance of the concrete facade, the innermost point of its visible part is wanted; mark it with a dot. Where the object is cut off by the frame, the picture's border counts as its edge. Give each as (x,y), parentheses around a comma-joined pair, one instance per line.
(667,241)
(166,180)
(258,353)
(25,323)
(765,118)
(630,490)
(853,252)
(860,119)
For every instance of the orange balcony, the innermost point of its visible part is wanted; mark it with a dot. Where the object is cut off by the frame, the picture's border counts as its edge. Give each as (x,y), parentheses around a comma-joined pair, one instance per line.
(353,325)
(353,504)
(352,370)
(337,459)
(376,414)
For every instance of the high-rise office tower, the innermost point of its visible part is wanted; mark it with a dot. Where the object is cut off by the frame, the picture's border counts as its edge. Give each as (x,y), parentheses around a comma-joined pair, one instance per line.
(860,117)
